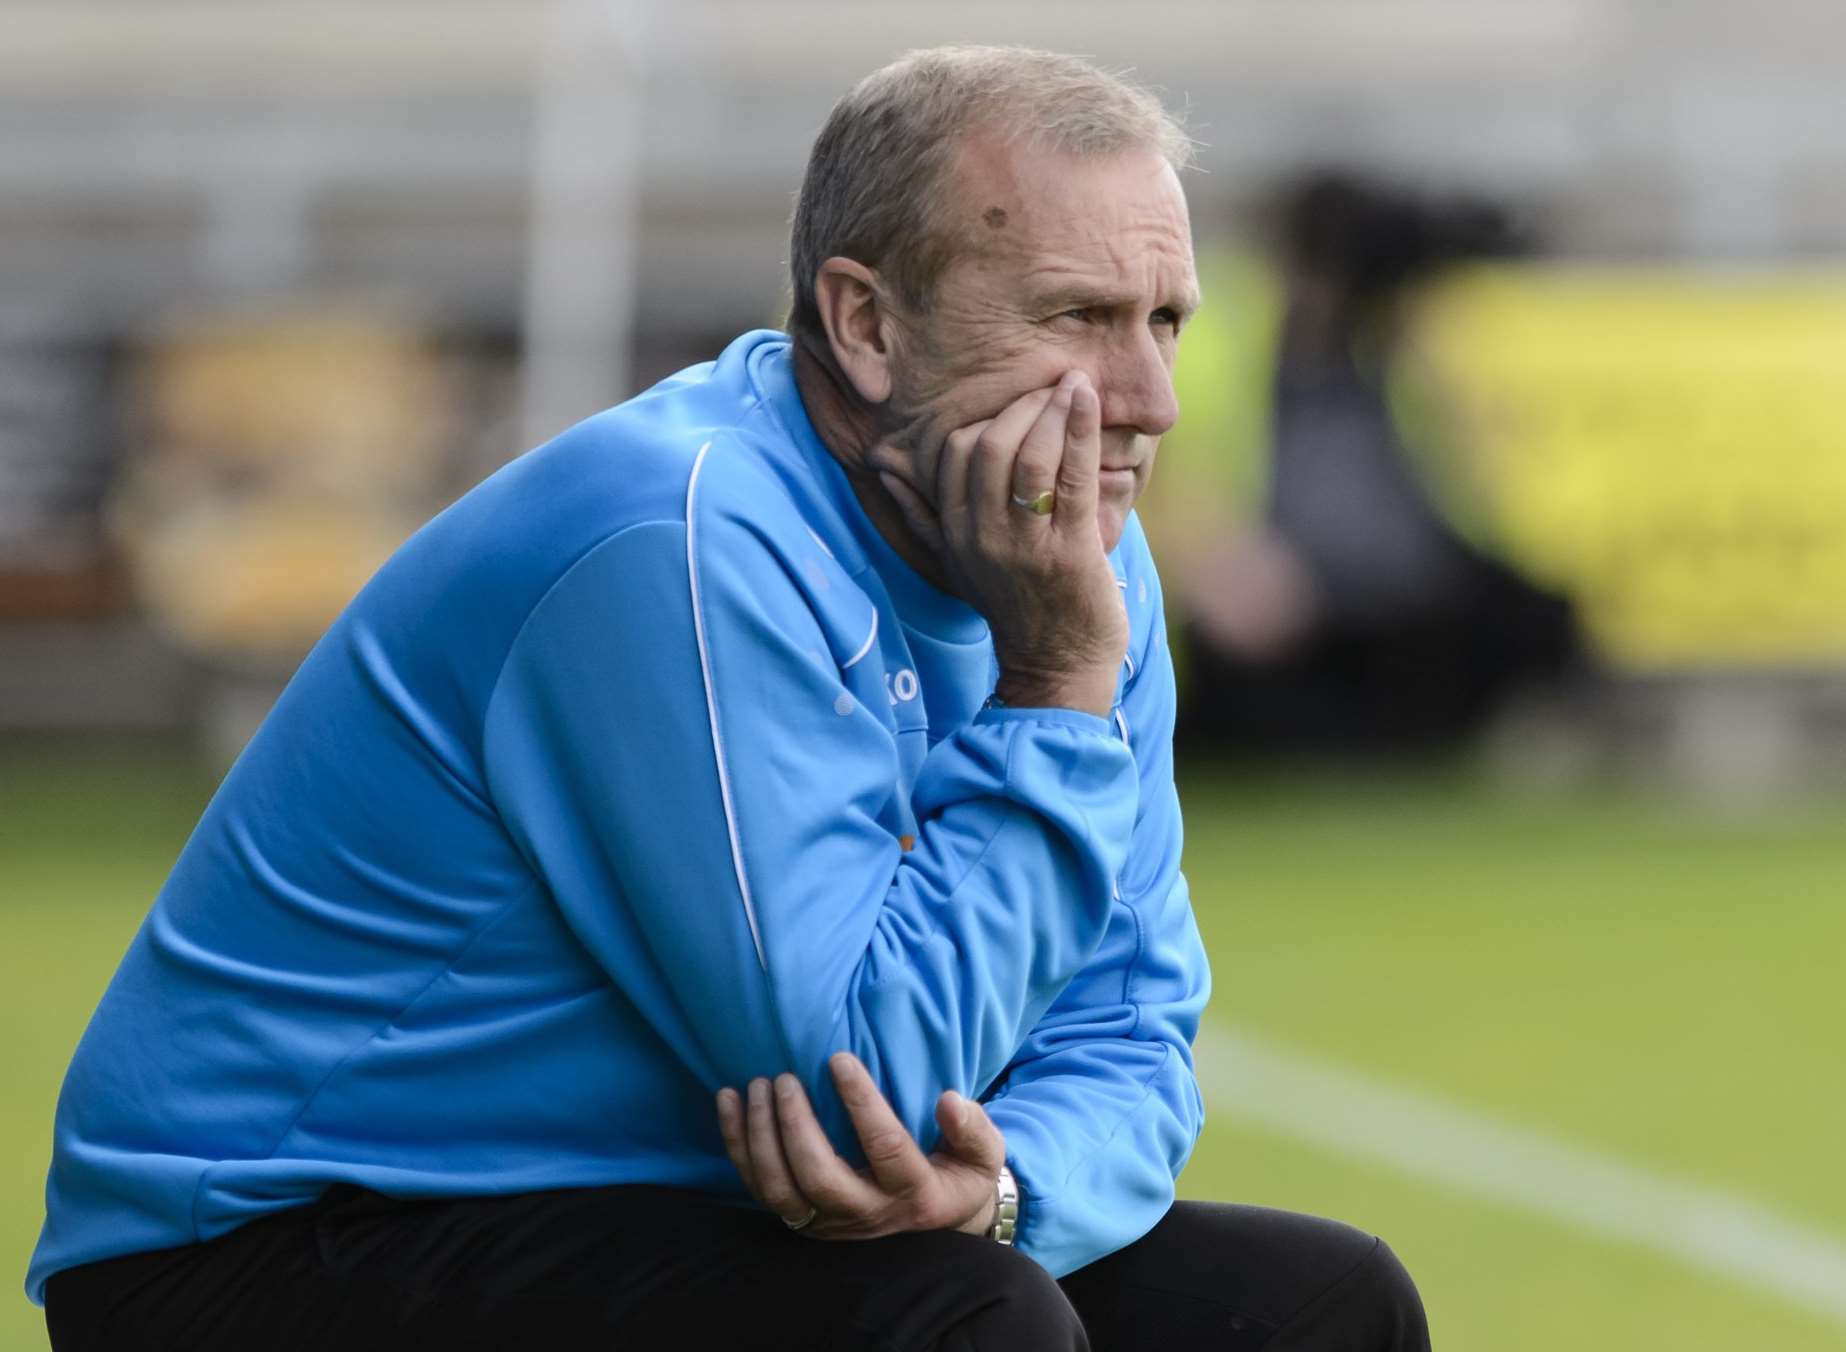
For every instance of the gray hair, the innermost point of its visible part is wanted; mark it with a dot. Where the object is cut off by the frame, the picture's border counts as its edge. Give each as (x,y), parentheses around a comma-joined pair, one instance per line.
(879,172)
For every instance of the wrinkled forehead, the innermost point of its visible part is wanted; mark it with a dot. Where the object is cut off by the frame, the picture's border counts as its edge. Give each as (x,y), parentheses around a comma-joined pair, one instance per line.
(1122,215)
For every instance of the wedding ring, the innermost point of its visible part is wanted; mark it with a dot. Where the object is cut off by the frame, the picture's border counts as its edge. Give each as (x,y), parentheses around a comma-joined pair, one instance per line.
(808,1219)
(1038,506)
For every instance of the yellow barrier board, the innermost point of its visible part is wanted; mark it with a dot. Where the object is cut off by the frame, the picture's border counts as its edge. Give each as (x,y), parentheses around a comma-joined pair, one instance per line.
(1666,445)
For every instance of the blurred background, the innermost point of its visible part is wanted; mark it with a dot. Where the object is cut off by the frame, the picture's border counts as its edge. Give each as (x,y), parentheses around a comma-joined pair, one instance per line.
(1504,538)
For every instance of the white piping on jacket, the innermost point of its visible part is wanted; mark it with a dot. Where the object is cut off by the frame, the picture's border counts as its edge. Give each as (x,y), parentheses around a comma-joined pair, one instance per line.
(711,707)
(864,647)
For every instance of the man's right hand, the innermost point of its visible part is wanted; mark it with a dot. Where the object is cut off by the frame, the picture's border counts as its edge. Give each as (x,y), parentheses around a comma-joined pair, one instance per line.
(1043,582)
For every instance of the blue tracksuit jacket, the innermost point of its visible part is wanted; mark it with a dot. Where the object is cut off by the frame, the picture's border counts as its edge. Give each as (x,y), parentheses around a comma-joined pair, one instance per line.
(646,768)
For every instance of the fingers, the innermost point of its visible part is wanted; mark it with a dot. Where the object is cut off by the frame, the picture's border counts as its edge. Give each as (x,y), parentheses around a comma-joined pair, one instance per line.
(731,1128)
(781,1151)
(1079,469)
(998,448)
(969,1134)
(825,1179)
(990,481)
(975,469)
(893,1157)
(952,476)
(1010,425)
(1049,438)
(1035,468)
(775,1185)
(917,513)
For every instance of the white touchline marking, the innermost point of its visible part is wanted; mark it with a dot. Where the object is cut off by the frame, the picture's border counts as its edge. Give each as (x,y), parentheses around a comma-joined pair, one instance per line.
(1266,1085)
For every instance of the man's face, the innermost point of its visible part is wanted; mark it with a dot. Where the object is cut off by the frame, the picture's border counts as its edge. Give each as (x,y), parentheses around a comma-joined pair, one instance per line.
(1073,263)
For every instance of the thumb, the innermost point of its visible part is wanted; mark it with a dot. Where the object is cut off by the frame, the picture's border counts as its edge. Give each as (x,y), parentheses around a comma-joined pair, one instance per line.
(968,1132)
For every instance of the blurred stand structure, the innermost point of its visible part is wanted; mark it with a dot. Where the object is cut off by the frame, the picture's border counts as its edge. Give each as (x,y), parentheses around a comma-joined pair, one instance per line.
(281,456)
(511,213)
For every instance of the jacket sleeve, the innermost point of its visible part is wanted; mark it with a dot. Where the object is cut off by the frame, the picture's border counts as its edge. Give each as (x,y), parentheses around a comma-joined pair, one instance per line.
(1100,1107)
(682,746)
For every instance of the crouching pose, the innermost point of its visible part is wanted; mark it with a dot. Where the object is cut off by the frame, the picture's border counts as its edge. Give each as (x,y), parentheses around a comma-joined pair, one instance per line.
(718,885)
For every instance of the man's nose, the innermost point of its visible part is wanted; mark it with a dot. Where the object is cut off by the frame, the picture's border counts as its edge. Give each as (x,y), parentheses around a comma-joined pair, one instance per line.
(1137,387)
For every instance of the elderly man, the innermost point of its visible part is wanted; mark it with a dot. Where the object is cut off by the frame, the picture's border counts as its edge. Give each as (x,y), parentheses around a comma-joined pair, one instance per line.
(764,789)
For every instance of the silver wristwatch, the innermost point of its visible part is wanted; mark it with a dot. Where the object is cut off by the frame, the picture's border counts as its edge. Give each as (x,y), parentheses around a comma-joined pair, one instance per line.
(1006,1207)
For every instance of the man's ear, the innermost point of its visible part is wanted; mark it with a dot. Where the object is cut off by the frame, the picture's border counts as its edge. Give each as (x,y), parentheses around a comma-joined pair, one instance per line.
(852,310)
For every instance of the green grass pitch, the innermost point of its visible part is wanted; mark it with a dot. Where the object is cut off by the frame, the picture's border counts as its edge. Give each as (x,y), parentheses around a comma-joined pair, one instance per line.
(1639,978)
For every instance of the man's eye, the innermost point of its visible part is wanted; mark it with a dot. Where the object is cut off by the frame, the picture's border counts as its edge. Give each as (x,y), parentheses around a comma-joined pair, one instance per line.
(1082,314)
(1165,316)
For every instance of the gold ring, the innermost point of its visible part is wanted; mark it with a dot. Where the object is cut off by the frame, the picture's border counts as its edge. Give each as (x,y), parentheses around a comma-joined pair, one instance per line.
(806,1220)
(1038,506)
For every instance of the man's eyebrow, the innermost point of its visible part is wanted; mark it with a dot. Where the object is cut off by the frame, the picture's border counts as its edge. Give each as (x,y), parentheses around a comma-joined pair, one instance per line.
(1079,297)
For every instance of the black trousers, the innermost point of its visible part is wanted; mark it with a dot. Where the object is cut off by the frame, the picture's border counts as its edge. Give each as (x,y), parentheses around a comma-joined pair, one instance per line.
(648,1267)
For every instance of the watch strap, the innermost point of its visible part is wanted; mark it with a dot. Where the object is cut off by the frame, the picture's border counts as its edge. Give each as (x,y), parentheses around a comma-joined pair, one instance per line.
(1006,1208)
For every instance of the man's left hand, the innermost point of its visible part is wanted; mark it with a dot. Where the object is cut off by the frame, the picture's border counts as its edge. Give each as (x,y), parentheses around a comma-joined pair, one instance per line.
(785,1159)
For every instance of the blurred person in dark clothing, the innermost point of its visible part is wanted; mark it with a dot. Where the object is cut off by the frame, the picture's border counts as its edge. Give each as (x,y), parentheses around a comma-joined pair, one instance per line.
(1355,615)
